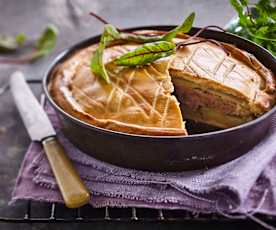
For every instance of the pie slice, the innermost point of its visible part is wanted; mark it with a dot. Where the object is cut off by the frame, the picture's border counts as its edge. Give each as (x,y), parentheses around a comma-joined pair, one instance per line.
(221,86)
(138,100)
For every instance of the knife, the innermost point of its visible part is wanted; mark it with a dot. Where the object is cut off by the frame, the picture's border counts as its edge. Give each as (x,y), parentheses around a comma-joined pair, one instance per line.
(39,127)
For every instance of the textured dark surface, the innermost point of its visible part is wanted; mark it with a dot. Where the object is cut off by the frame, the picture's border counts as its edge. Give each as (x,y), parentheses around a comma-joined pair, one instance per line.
(31,16)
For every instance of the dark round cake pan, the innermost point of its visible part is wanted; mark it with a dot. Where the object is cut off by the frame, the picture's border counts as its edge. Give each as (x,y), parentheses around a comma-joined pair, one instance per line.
(168,153)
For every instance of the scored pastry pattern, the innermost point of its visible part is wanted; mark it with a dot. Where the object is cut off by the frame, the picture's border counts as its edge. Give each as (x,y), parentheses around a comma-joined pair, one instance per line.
(149,108)
(192,62)
(219,74)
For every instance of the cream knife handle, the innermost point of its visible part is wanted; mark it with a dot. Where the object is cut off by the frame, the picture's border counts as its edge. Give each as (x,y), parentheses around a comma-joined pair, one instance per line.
(73,190)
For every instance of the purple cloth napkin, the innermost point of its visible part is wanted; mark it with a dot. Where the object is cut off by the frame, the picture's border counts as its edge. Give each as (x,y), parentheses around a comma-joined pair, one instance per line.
(247,184)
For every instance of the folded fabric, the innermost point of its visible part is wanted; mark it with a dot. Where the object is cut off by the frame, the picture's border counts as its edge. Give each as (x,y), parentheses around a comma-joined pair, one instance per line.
(247,184)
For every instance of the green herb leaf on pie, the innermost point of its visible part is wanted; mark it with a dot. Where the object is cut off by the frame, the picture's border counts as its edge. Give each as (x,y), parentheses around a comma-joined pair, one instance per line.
(155,47)
(97,65)
(147,53)
(185,27)
(139,38)
(109,34)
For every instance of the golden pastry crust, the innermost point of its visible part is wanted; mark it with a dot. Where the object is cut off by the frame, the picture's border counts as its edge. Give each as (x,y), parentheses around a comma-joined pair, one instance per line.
(138,100)
(239,73)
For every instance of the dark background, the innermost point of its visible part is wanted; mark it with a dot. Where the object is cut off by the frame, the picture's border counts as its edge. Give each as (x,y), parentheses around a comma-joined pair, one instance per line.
(74,23)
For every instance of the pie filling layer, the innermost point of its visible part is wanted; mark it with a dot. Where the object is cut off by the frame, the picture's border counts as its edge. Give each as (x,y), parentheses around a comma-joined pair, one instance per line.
(212,88)
(211,107)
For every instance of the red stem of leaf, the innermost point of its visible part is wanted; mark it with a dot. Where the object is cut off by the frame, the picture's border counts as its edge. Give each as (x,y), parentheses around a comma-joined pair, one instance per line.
(106,22)
(186,43)
(205,28)
(181,44)
(18,61)
(14,61)
(98,17)
(101,19)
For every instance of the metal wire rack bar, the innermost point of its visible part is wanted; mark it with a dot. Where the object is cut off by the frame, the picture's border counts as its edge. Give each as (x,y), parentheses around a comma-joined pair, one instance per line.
(89,214)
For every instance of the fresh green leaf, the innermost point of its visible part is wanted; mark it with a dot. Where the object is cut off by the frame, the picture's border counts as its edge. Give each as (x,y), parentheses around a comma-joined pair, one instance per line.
(237,6)
(7,43)
(10,43)
(110,33)
(20,39)
(185,27)
(97,65)
(244,2)
(43,46)
(261,34)
(267,7)
(138,38)
(240,10)
(258,25)
(159,50)
(46,42)
(147,53)
(272,48)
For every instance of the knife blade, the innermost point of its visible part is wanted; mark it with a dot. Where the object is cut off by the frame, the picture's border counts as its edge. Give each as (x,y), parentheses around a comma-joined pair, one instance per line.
(34,117)
(39,127)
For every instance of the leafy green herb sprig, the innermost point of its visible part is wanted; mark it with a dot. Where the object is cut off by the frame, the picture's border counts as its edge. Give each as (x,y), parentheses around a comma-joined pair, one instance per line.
(109,34)
(154,47)
(42,47)
(257,22)
(147,53)
(10,43)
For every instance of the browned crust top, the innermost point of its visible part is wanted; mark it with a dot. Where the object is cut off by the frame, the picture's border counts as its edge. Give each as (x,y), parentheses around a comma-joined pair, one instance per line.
(266,97)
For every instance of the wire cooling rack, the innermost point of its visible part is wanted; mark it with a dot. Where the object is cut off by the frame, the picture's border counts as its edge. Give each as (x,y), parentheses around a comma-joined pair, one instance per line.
(39,212)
